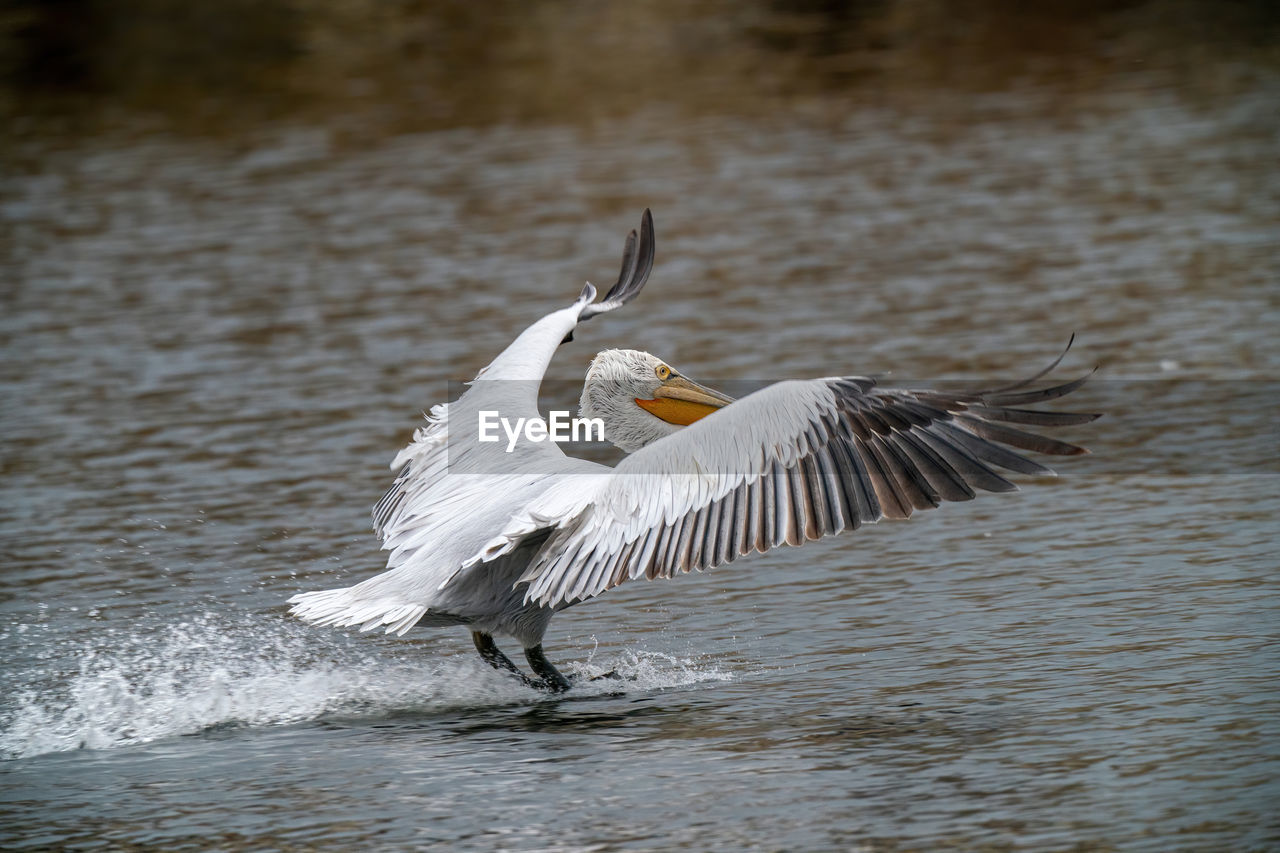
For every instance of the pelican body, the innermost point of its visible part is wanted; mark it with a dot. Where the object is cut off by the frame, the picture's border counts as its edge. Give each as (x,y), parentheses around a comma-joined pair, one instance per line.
(498,539)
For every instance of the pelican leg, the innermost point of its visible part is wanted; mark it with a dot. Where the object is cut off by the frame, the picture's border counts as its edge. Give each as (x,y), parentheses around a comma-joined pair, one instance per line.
(552,680)
(496,659)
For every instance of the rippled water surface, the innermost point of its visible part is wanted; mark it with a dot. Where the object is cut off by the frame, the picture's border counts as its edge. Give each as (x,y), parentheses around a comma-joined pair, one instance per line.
(214,344)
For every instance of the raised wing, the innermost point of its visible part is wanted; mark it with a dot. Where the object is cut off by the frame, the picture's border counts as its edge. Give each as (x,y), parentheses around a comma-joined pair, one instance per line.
(450,489)
(509,385)
(424,500)
(793,462)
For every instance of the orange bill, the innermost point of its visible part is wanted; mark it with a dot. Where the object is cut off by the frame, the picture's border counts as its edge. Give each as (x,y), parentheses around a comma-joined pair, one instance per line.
(679,412)
(681,402)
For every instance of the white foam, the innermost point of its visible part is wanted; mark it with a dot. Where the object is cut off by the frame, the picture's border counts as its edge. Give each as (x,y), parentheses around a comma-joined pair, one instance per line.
(203,674)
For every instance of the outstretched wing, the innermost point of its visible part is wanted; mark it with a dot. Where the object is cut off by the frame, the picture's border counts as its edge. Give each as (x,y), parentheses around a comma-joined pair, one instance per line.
(792,462)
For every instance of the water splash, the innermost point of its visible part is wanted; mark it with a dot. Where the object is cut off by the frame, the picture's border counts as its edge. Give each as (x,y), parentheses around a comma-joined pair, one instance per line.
(204,674)
(640,671)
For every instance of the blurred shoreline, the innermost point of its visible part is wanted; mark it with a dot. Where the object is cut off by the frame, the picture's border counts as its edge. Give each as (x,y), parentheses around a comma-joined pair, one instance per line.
(367,70)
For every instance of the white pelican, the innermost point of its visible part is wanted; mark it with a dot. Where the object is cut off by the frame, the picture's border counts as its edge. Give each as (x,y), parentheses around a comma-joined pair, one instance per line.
(500,541)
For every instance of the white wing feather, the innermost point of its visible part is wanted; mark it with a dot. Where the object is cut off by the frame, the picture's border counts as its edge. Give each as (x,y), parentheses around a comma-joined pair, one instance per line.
(441,503)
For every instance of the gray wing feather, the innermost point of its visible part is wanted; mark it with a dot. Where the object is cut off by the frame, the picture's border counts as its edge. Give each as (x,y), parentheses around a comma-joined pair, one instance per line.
(847,453)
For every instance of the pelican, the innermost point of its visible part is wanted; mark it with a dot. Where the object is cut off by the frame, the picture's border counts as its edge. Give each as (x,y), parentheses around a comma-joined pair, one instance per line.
(498,539)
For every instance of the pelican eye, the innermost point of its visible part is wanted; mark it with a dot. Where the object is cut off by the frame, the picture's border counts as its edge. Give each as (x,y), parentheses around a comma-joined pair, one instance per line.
(662,371)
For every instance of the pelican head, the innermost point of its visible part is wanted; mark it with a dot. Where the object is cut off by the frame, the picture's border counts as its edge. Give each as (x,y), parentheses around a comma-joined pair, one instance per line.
(640,398)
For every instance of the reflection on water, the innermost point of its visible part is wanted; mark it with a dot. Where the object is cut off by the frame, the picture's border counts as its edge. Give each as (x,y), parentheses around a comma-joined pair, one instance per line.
(244,246)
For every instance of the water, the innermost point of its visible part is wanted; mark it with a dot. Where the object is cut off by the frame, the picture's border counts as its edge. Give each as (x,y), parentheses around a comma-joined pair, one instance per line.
(214,343)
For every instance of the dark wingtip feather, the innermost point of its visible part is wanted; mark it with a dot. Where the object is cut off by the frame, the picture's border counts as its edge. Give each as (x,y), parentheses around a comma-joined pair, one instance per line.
(1005,398)
(1045,372)
(637,263)
(629,259)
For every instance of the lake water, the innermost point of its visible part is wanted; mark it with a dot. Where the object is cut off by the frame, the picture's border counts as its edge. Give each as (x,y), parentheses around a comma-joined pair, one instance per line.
(214,344)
